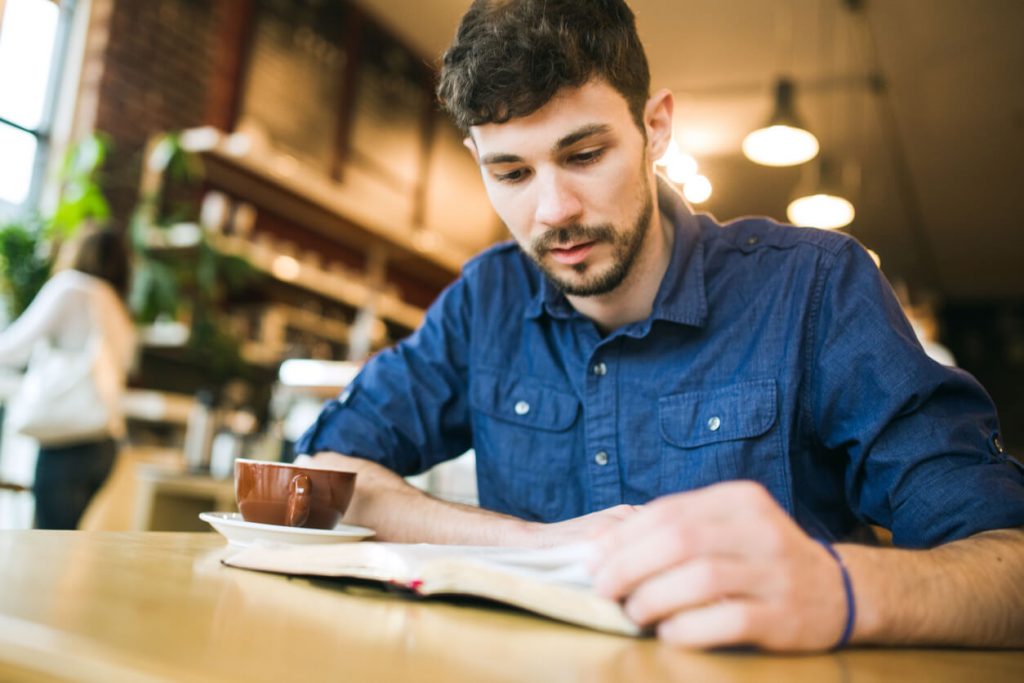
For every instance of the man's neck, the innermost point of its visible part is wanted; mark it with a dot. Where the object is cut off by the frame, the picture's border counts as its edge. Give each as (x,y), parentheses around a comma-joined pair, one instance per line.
(633,299)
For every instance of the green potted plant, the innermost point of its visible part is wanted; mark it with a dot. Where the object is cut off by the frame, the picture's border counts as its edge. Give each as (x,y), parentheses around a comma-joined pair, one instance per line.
(28,242)
(190,282)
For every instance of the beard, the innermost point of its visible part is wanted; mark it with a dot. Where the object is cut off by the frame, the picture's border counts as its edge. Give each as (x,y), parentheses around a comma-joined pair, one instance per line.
(625,247)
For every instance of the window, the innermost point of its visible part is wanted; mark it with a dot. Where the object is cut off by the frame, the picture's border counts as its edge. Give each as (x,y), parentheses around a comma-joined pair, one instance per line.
(33,34)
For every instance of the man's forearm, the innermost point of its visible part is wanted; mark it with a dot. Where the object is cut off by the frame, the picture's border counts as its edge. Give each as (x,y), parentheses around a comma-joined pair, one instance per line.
(969,592)
(384,502)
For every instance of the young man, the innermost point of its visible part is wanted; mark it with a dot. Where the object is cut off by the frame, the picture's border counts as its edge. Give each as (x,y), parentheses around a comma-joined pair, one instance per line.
(712,404)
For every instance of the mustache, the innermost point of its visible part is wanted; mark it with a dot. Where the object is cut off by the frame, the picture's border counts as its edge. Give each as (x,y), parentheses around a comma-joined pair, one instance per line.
(569,234)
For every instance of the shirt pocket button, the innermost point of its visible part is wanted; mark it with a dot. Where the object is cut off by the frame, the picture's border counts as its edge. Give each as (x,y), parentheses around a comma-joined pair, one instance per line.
(522,408)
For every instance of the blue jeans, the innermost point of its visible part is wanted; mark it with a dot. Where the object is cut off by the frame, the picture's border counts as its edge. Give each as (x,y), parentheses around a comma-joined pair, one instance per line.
(67,477)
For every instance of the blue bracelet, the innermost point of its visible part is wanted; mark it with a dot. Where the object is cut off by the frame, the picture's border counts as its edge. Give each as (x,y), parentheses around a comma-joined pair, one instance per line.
(851,604)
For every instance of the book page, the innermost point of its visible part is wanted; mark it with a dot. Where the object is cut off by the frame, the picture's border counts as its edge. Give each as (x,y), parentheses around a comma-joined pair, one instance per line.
(551,581)
(563,564)
(374,561)
(405,561)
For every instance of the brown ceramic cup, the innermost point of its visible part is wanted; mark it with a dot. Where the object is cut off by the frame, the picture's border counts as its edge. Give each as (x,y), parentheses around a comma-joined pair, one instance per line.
(283,494)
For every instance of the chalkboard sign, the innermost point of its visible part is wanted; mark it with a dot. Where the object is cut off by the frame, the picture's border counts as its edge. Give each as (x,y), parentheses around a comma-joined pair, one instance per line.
(392,101)
(294,80)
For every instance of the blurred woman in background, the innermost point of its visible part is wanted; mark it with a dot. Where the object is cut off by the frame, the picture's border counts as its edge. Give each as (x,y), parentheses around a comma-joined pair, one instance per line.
(79,313)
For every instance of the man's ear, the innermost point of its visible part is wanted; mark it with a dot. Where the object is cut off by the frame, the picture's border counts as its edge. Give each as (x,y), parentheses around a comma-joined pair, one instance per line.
(470,144)
(658,122)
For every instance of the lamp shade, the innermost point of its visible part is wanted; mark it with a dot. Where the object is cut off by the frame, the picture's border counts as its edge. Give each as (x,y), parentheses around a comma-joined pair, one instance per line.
(783,141)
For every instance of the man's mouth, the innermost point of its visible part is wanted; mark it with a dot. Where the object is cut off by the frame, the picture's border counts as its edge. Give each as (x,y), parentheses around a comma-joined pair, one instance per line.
(573,254)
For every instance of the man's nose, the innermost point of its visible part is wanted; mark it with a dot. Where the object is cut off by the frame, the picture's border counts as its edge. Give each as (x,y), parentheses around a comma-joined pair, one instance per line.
(558,203)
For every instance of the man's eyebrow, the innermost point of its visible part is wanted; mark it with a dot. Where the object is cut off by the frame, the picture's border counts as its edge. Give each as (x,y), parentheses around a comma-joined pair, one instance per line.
(500,158)
(581,133)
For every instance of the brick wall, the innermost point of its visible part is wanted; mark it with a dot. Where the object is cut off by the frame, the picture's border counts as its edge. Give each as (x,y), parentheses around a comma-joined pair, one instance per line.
(158,71)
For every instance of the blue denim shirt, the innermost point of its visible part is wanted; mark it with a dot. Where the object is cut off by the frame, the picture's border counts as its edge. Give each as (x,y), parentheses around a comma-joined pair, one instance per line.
(772,353)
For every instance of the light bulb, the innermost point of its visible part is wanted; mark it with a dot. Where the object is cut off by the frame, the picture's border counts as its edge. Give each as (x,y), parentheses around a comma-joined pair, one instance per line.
(820,211)
(285,267)
(679,166)
(780,145)
(670,151)
(697,189)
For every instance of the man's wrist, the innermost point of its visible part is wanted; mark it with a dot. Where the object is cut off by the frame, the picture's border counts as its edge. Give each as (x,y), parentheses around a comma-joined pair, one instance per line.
(521,533)
(861,565)
(850,617)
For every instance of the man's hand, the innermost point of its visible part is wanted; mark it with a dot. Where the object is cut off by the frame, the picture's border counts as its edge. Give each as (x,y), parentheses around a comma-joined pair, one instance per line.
(724,565)
(579,529)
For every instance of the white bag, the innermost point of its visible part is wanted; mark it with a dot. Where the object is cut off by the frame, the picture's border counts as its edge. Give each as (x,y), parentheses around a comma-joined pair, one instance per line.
(67,396)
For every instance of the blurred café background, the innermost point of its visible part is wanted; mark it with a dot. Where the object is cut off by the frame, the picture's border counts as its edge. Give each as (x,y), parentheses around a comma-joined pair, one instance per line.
(296,200)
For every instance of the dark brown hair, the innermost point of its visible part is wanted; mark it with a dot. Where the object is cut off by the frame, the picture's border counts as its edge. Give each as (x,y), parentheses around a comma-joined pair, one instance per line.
(510,57)
(101,253)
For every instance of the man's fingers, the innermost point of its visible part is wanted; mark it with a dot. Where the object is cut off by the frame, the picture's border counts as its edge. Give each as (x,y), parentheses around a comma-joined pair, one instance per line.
(662,543)
(720,624)
(728,500)
(692,585)
(722,566)
(651,551)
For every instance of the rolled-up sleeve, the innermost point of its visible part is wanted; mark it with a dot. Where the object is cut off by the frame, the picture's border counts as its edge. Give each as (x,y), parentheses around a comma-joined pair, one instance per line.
(921,440)
(407,409)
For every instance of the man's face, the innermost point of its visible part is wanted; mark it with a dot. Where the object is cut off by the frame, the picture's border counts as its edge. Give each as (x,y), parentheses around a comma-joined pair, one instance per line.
(571,183)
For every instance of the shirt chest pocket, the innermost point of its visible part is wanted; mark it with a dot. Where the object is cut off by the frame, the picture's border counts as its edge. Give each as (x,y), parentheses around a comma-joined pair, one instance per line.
(524,437)
(719,434)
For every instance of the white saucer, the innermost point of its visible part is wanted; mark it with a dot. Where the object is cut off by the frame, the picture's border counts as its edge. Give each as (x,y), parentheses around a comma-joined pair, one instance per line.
(240,532)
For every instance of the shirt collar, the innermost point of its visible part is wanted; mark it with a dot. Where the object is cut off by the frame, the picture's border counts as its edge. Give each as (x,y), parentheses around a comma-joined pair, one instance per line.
(681,297)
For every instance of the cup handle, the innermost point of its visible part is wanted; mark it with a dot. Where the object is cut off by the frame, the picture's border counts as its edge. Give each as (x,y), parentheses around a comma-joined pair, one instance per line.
(299,499)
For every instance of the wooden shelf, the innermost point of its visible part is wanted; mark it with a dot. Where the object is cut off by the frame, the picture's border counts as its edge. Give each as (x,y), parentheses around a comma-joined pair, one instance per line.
(270,346)
(340,288)
(332,330)
(344,289)
(276,182)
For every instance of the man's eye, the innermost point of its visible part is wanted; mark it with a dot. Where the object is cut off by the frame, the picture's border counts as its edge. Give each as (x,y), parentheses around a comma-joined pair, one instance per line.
(512,176)
(587,157)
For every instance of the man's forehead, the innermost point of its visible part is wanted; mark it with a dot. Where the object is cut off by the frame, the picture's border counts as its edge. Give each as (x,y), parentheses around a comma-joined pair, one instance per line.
(592,109)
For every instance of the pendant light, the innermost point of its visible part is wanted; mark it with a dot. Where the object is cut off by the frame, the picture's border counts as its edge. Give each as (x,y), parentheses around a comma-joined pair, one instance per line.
(820,202)
(678,165)
(783,141)
(681,169)
(697,189)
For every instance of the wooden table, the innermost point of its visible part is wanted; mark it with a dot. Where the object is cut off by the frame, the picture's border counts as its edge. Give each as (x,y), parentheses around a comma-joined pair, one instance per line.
(152,606)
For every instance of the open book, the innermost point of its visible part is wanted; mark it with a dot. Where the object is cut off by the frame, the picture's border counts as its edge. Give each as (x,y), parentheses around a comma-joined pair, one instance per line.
(553,582)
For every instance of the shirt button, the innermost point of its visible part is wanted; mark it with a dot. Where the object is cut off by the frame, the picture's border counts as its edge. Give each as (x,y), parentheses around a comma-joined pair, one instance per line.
(600,369)
(601,458)
(522,408)
(714,423)
(752,240)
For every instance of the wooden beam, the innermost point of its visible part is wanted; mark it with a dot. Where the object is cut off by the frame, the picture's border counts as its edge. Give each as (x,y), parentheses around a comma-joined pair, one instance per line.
(233,44)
